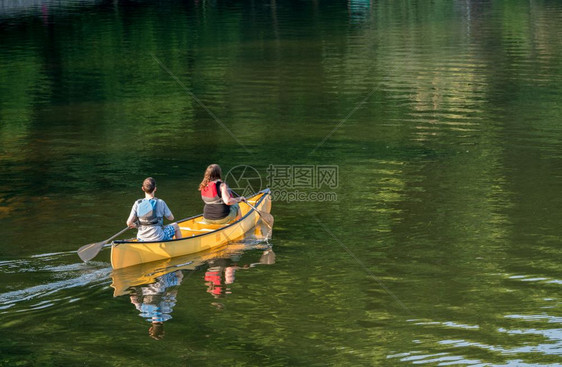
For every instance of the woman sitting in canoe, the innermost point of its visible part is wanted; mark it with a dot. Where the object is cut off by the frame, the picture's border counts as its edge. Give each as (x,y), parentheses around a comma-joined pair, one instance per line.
(147,215)
(220,206)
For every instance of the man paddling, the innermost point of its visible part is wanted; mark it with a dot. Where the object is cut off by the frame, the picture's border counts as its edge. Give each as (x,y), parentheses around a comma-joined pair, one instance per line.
(147,215)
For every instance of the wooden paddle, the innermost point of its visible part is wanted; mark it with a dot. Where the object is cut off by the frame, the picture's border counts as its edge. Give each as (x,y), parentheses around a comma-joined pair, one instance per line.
(266,217)
(88,252)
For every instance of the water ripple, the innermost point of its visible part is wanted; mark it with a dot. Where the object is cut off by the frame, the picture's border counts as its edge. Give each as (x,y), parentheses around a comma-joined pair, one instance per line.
(55,277)
(87,278)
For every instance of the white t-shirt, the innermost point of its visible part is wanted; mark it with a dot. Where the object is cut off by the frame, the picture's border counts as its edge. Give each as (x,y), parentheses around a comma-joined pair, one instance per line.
(154,232)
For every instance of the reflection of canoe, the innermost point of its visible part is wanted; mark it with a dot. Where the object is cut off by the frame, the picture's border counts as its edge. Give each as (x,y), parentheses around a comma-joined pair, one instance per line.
(146,273)
(197,236)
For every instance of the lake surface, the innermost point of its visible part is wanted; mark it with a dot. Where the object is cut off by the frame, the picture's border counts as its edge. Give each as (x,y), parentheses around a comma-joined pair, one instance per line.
(414,150)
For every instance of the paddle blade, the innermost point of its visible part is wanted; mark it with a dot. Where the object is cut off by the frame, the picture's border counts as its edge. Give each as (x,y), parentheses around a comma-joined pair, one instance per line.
(267,219)
(88,252)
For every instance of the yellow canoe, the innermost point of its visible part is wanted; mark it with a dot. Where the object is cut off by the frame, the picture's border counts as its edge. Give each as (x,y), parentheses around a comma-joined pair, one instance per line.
(197,236)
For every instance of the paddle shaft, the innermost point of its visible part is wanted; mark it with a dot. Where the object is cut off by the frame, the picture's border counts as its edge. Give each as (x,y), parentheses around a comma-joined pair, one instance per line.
(115,235)
(266,217)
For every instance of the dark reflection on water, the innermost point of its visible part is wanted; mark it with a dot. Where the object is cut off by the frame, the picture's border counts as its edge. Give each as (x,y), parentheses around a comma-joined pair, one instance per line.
(442,117)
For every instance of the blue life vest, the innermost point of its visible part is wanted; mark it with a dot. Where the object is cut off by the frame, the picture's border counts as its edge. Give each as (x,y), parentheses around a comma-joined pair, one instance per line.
(146,213)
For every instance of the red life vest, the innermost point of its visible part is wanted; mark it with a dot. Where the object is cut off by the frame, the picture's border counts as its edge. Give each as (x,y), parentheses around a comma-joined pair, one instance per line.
(215,208)
(211,193)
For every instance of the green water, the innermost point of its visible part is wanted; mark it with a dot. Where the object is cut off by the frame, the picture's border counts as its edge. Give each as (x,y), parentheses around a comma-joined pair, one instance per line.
(434,238)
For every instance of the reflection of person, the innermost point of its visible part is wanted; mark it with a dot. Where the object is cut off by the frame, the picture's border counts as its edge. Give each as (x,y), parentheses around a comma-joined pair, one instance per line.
(213,278)
(156,331)
(148,216)
(156,301)
(222,274)
(220,206)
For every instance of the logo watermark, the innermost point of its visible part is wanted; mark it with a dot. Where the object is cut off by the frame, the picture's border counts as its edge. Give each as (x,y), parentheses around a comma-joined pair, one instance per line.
(244,180)
(288,183)
(289,196)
